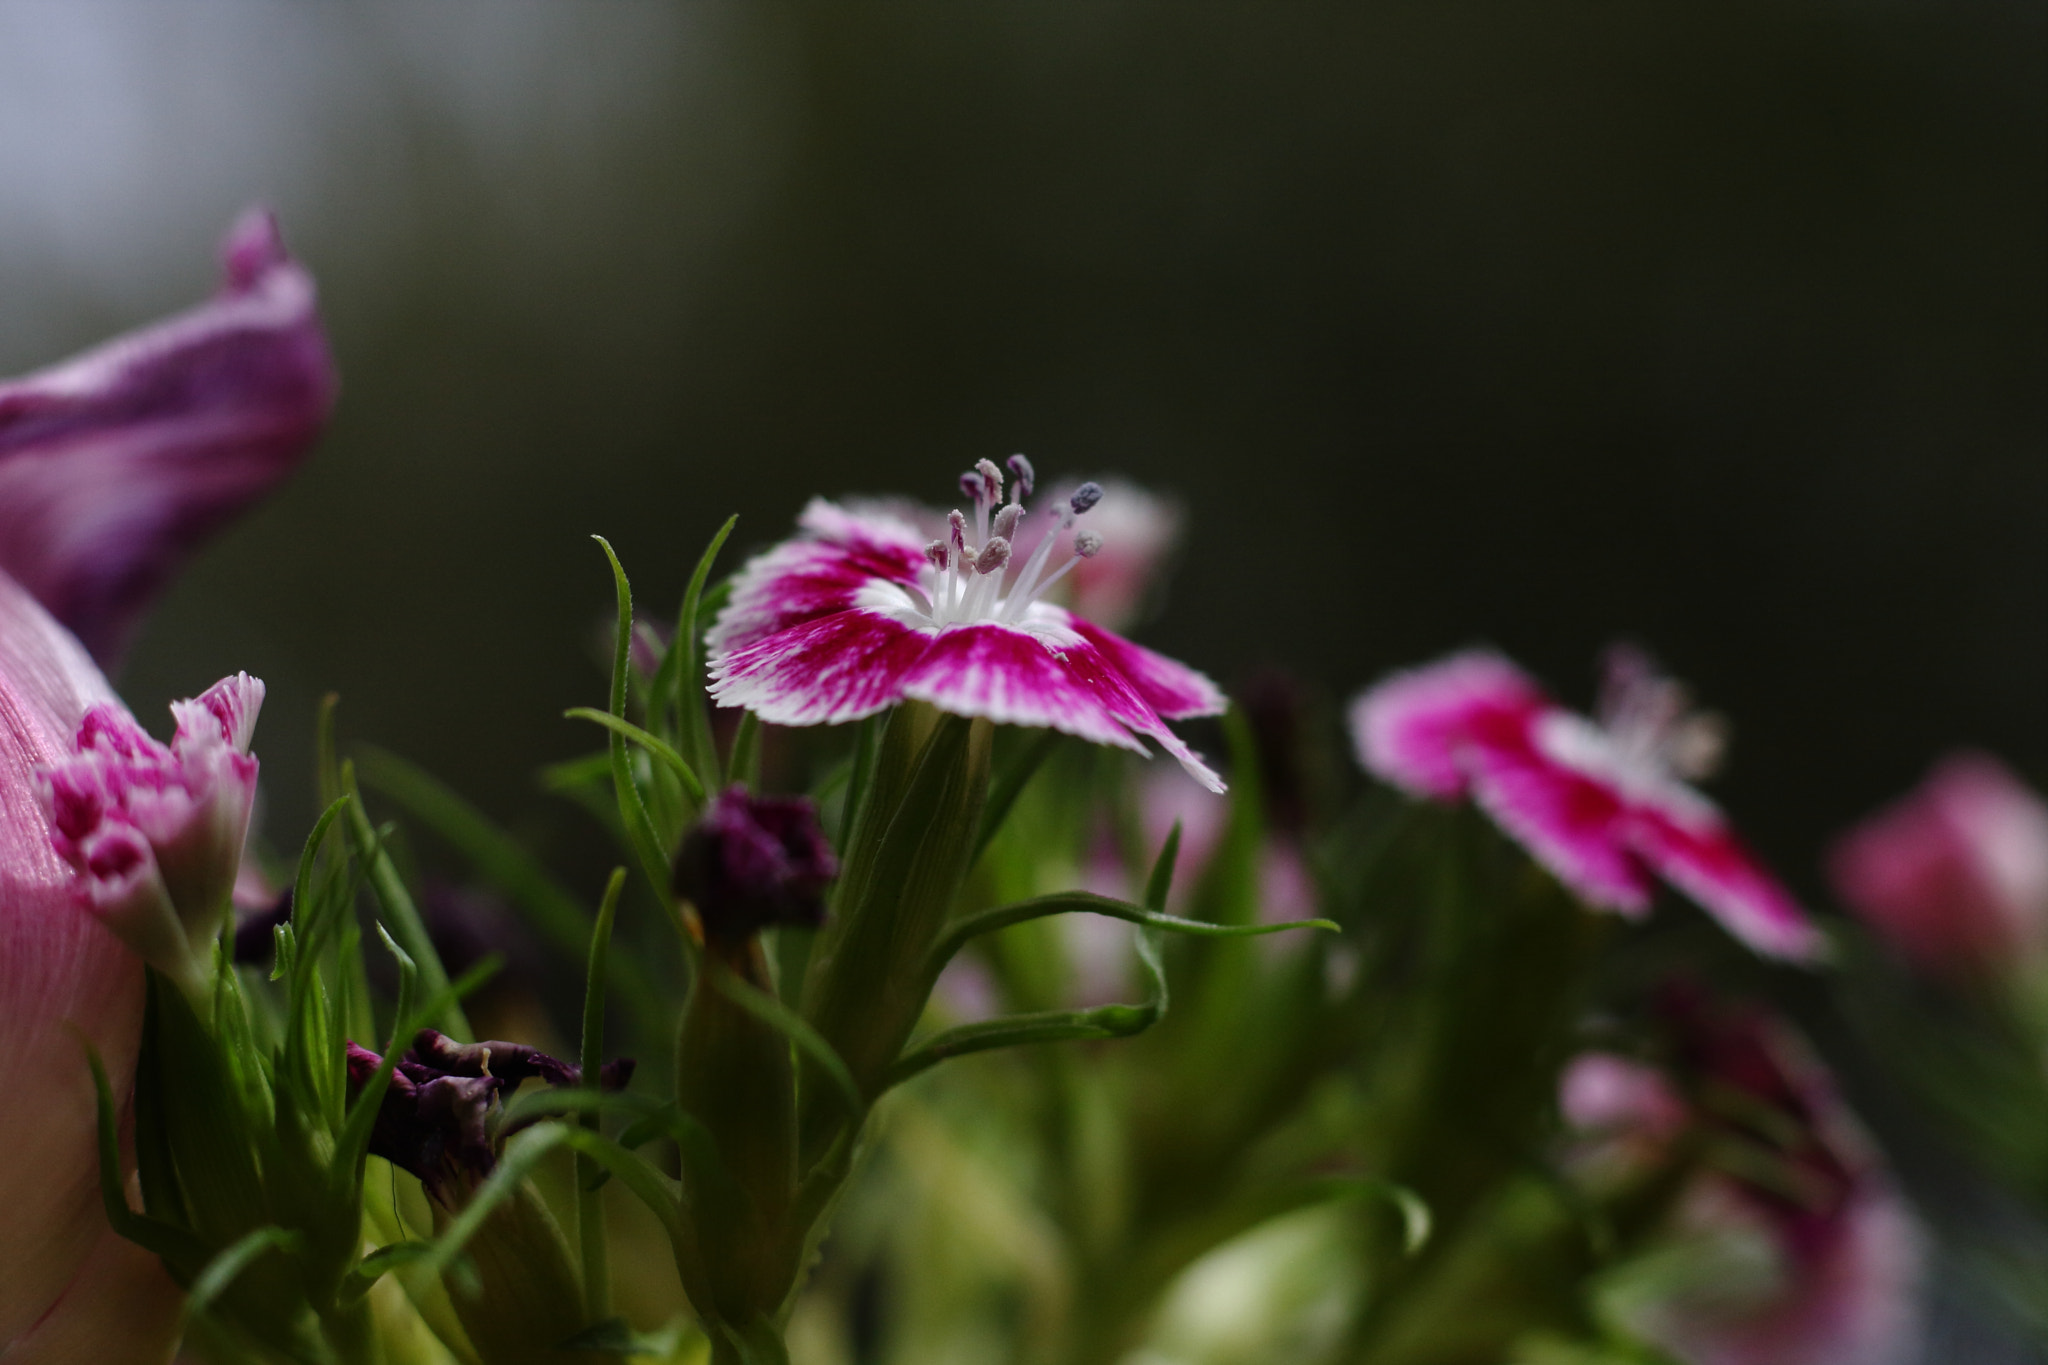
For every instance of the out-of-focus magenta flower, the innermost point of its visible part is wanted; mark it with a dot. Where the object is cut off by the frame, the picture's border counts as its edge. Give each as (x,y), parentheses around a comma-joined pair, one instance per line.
(1605,804)
(1955,875)
(154,831)
(1802,1250)
(116,464)
(754,861)
(1624,1113)
(860,612)
(1139,531)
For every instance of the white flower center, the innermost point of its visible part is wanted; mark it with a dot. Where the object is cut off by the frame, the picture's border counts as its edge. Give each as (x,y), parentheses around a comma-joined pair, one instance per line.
(979,579)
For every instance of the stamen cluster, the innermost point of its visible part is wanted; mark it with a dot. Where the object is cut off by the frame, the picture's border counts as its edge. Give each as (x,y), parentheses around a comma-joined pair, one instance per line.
(969,575)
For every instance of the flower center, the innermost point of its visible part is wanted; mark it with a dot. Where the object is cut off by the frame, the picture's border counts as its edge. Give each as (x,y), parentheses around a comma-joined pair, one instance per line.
(969,576)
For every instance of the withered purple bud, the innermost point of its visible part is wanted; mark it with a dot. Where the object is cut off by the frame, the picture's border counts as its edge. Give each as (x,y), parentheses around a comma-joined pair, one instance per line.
(440,1118)
(755,861)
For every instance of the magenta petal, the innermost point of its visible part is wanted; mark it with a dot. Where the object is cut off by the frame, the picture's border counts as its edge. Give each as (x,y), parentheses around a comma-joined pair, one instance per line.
(116,464)
(1415,729)
(835,668)
(1173,690)
(1013,677)
(59,970)
(800,580)
(1121,700)
(1693,848)
(1575,826)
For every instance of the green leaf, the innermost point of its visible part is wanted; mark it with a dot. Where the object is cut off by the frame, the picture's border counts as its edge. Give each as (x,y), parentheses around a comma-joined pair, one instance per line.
(632,807)
(693,718)
(745,765)
(1009,784)
(506,865)
(521,1155)
(791,1025)
(236,1257)
(672,760)
(1416,1223)
(1048,1026)
(178,1247)
(590,1227)
(1086,902)
(662,1196)
(399,911)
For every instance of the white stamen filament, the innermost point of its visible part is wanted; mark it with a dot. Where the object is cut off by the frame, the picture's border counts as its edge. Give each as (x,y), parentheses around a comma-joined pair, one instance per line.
(968,584)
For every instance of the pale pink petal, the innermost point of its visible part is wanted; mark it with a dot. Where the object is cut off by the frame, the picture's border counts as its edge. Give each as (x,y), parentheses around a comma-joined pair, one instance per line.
(1014,677)
(1416,728)
(115,465)
(225,712)
(1572,824)
(59,971)
(799,580)
(822,672)
(1692,847)
(1956,874)
(120,1309)
(1173,690)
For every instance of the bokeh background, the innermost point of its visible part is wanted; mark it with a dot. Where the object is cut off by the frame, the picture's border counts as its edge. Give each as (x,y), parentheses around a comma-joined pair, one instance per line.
(1716,325)
(1722,326)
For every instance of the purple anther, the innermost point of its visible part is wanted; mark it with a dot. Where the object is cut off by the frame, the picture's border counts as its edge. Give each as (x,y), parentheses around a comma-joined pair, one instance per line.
(994,556)
(1025,475)
(1085,497)
(1005,523)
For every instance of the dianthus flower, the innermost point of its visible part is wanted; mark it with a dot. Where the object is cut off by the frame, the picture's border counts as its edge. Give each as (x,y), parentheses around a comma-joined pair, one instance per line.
(1954,875)
(1805,1252)
(861,612)
(1604,804)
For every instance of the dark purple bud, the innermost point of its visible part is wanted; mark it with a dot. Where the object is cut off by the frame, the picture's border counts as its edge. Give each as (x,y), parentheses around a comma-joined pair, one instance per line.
(1026,476)
(1085,497)
(755,861)
(439,1119)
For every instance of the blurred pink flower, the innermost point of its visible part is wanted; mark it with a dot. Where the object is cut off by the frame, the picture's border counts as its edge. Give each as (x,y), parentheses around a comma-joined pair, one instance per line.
(859,613)
(1625,1114)
(1955,875)
(116,464)
(113,466)
(1801,1250)
(1605,804)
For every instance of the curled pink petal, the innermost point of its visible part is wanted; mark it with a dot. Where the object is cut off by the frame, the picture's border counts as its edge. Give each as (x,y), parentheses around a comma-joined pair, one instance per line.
(1955,875)
(116,464)
(1416,729)
(59,972)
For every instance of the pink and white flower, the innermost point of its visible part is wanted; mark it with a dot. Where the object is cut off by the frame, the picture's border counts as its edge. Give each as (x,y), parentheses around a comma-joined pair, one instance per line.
(1956,874)
(154,831)
(1605,805)
(861,612)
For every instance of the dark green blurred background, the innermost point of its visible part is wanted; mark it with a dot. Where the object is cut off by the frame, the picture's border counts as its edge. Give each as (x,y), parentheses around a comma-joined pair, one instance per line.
(1719,324)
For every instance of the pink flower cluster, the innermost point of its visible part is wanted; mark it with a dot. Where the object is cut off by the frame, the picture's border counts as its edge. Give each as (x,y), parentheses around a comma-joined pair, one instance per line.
(155,831)
(1604,804)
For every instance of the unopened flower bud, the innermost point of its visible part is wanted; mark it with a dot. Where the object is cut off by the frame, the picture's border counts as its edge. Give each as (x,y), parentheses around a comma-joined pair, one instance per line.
(155,831)
(755,861)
